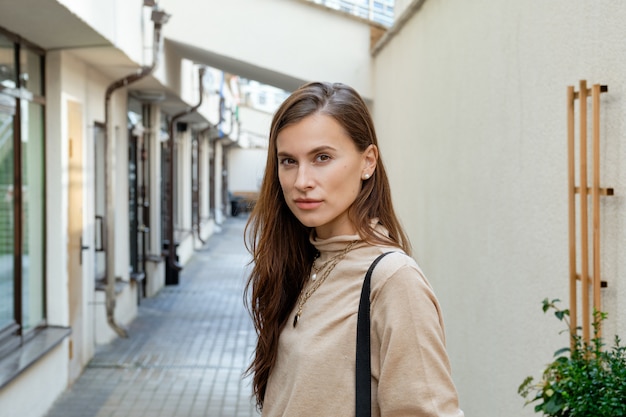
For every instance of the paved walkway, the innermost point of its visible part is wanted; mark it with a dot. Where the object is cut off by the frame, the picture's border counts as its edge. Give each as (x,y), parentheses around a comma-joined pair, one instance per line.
(187,348)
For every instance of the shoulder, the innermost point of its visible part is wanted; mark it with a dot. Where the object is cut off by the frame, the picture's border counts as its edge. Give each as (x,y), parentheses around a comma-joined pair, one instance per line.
(398,272)
(395,262)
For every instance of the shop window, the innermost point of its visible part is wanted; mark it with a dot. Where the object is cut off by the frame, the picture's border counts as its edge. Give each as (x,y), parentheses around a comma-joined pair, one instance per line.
(7,63)
(32,227)
(7,238)
(22,190)
(30,71)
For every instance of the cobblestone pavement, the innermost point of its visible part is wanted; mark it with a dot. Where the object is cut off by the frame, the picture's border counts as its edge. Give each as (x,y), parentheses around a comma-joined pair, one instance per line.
(187,350)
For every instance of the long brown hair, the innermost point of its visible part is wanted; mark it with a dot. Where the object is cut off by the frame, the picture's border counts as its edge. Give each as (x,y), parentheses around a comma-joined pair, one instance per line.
(279,243)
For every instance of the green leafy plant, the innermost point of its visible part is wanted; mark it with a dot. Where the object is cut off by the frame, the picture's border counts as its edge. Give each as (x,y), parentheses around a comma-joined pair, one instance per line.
(583,381)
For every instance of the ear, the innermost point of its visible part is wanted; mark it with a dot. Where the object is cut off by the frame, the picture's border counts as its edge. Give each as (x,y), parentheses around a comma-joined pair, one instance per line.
(370,158)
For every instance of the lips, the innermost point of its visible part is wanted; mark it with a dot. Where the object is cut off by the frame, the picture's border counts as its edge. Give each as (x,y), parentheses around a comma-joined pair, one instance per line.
(307,204)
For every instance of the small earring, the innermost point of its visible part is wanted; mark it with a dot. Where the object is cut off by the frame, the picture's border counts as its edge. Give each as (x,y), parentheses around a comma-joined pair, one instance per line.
(366,176)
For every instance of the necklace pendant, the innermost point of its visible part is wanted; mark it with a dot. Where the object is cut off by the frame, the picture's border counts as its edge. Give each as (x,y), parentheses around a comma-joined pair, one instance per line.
(295,319)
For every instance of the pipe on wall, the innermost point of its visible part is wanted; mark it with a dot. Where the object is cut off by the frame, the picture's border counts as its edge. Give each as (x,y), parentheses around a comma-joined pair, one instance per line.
(159,18)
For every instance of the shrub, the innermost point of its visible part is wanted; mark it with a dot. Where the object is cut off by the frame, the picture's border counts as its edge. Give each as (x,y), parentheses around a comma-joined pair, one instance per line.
(583,381)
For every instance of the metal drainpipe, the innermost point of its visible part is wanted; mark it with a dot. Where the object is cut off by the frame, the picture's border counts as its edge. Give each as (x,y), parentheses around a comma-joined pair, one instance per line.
(174,266)
(159,18)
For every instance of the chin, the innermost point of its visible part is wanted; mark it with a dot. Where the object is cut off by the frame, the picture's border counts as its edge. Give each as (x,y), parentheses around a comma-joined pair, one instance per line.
(310,224)
(308,221)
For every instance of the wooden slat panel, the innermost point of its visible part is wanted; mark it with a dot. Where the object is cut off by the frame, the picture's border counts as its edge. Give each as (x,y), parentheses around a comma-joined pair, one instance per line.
(595,195)
(584,221)
(571,174)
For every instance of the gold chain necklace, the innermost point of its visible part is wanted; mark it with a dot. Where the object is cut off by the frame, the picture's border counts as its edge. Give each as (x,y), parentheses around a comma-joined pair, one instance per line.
(327,267)
(316,269)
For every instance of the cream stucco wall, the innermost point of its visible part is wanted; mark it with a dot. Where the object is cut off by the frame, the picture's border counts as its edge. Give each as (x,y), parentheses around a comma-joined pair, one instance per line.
(32,392)
(116,20)
(182,195)
(70,78)
(220,204)
(246,168)
(471,113)
(291,39)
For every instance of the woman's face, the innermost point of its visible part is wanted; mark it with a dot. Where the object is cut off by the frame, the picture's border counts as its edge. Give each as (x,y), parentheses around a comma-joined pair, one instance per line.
(320,172)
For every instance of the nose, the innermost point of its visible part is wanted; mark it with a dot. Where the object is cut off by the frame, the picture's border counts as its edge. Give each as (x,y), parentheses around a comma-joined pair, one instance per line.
(304,179)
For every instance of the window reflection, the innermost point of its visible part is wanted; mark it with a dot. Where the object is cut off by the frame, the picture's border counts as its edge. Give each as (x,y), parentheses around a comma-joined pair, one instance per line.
(7,63)
(22,207)
(30,71)
(6,220)
(33,214)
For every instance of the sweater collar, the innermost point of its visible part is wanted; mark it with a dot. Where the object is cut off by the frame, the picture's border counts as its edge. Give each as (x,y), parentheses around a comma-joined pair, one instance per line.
(332,244)
(338,243)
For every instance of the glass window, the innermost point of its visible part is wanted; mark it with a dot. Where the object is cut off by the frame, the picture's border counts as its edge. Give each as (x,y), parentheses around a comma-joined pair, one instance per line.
(380,11)
(100,207)
(6,221)
(7,62)
(33,214)
(22,205)
(30,71)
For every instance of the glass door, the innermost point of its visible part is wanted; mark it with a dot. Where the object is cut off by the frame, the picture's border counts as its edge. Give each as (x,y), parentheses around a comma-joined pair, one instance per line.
(100,205)
(7,216)
(138,200)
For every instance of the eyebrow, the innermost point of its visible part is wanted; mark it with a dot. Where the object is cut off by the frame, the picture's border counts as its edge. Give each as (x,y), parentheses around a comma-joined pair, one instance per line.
(311,152)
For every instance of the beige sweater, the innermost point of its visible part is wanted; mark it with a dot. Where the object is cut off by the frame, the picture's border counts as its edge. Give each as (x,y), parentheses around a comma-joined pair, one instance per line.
(314,371)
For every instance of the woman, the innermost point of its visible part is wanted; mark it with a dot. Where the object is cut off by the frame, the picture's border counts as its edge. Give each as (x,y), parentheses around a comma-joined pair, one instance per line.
(324,214)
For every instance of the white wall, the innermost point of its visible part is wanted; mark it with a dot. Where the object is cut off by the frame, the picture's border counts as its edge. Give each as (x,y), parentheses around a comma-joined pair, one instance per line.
(255,121)
(183,227)
(56,196)
(255,127)
(207,223)
(48,376)
(204,184)
(471,113)
(219,166)
(116,20)
(284,37)
(155,269)
(246,165)
(69,77)
(399,6)
(34,391)
(245,169)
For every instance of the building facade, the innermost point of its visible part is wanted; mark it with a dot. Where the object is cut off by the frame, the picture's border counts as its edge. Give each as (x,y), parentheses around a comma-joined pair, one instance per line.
(111,147)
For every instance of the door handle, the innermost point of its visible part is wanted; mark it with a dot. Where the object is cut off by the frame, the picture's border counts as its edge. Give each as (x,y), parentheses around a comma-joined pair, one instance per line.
(82,248)
(99,244)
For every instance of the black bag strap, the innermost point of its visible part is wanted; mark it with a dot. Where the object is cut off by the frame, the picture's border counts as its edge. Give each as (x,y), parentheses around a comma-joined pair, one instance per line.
(363,354)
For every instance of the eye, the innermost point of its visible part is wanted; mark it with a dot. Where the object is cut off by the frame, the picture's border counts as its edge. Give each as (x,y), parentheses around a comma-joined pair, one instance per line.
(323,157)
(286,161)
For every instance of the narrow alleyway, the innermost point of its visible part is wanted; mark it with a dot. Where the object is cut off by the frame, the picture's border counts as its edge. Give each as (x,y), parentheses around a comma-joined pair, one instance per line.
(187,348)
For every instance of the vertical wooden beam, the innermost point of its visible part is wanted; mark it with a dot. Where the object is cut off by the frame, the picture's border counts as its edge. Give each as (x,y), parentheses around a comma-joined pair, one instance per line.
(571,192)
(584,226)
(595,195)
